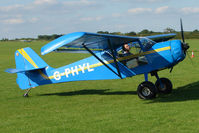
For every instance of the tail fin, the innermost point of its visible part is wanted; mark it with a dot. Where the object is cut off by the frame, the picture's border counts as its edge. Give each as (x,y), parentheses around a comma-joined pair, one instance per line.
(30,68)
(26,59)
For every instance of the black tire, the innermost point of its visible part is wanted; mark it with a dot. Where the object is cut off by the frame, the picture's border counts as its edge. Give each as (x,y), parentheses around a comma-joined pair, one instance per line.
(167,86)
(25,95)
(146,90)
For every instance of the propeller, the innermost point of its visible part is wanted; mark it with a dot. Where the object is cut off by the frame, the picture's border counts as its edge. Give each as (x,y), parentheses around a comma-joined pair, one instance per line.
(182,31)
(185,45)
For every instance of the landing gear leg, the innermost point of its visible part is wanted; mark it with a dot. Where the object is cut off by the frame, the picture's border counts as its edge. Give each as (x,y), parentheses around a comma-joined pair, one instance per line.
(146,76)
(26,94)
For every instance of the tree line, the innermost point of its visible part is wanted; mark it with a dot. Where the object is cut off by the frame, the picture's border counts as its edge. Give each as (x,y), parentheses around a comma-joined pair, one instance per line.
(188,34)
(145,32)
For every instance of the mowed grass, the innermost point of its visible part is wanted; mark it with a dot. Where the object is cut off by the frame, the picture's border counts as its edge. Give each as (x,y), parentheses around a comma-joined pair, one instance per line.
(98,106)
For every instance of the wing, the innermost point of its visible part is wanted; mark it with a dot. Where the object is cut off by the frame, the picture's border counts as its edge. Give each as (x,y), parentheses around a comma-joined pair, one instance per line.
(163,37)
(75,41)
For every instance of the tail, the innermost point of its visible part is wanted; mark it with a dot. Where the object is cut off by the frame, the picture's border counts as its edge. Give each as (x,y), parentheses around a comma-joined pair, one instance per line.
(30,68)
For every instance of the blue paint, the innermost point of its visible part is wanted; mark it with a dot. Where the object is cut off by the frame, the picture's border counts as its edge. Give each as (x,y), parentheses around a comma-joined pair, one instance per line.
(32,71)
(91,40)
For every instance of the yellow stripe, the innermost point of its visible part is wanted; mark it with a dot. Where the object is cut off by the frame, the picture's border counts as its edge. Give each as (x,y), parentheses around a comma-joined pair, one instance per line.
(30,60)
(23,52)
(43,75)
(25,56)
(144,53)
(120,59)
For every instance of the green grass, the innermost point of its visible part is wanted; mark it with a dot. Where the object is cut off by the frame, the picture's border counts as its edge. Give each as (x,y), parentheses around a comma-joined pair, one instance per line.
(97,106)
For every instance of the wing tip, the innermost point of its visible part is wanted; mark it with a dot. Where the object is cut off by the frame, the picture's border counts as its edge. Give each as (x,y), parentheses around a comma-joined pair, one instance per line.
(11,70)
(59,42)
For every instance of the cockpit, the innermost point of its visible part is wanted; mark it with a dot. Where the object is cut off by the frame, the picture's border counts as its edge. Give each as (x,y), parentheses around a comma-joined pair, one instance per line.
(135,56)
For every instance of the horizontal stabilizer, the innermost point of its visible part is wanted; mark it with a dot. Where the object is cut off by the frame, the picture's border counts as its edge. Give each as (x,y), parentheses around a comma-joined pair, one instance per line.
(13,70)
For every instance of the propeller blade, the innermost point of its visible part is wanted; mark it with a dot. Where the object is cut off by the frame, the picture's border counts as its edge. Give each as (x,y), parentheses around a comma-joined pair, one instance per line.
(182,31)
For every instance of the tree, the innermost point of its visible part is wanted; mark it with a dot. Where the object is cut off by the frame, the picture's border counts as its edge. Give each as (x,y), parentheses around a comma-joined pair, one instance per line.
(169,30)
(103,32)
(132,33)
(116,33)
(48,37)
(145,31)
(196,31)
(4,39)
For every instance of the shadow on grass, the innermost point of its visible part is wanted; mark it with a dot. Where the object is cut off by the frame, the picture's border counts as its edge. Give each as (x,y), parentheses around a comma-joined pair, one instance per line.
(92,92)
(183,93)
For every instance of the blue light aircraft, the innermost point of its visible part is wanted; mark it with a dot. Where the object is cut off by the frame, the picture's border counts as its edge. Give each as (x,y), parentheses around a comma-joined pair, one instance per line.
(148,54)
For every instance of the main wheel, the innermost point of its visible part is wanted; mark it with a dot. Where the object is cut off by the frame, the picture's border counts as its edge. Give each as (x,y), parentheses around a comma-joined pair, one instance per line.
(146,90)
(166,87)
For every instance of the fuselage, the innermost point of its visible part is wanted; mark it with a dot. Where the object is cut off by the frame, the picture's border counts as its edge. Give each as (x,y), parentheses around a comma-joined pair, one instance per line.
(154,58)
(160,56)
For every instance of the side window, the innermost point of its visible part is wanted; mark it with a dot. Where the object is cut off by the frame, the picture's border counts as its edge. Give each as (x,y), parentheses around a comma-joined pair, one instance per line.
(147,43)
(133,57)
(135,48)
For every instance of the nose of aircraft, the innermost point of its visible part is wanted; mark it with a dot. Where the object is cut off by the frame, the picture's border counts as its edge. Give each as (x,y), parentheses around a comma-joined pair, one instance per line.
(185,47)
(178,50)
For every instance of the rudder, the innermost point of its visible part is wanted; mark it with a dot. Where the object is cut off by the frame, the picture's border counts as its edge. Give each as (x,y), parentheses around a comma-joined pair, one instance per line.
(29,68)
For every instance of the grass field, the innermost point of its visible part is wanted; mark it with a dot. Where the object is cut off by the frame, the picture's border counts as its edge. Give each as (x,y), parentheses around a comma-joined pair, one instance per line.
(97,106)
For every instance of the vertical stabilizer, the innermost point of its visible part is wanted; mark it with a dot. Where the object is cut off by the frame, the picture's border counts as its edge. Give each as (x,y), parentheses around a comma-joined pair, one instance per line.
(30,68)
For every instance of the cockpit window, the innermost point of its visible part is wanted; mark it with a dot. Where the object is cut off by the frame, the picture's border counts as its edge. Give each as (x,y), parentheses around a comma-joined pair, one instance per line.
(147,43)
(134,48)
(130,55)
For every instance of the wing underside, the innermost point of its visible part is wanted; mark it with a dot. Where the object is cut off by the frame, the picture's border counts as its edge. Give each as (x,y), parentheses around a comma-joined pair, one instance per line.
(75,41)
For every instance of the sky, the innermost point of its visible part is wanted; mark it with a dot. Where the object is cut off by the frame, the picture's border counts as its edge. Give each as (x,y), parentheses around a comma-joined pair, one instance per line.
(30,18)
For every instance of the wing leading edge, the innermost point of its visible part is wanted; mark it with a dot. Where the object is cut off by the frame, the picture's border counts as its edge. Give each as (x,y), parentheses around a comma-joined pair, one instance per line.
(163,37)
(73,42)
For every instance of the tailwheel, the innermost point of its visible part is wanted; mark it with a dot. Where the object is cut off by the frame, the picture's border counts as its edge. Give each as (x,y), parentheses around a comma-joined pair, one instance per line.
(146,90)
(25,95)
(164,86)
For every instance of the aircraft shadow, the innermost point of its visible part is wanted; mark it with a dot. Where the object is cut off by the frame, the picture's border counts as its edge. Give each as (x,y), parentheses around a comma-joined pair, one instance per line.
(184,93)
(91,92)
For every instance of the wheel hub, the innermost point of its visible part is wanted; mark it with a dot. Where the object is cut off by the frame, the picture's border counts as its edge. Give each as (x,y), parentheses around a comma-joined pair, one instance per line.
(146,91)
(162,87)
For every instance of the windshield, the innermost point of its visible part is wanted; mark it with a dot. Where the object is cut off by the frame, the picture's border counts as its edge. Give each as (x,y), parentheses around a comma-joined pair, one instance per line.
(147,43)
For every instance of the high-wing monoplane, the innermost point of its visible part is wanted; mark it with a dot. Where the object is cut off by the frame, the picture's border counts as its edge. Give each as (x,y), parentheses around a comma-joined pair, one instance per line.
(147,55)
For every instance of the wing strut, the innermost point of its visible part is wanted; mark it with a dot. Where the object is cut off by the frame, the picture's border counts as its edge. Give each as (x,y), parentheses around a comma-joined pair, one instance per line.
(99,59)
(114,57)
